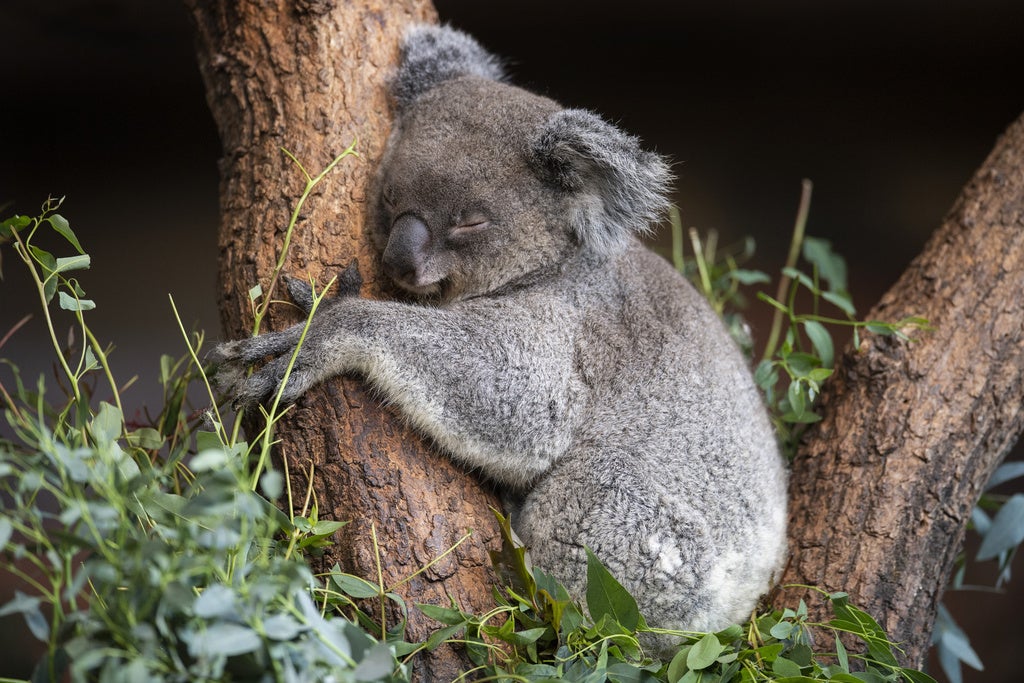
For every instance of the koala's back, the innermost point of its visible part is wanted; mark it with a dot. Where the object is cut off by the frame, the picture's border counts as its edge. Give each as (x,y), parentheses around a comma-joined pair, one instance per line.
(673,478)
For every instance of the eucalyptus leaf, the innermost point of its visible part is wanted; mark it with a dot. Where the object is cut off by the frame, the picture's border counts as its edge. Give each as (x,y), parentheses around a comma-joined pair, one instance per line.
(704,652)
(606,596)
(821,340)
(1007,530)
(63,228)
(831,266)
(69,303)
(377,664)
(840,301)
(6,530)
(786,668)
(282,627)
(225,639)
(749,277)
(209,460)
(360,588)
(1004,473)
(216,602)
(66,263)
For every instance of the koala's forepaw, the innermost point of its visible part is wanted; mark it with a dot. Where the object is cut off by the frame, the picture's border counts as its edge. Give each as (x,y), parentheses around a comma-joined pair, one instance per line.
(230,361)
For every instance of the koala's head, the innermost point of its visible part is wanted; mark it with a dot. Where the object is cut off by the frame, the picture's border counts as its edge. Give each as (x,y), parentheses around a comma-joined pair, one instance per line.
(484,184)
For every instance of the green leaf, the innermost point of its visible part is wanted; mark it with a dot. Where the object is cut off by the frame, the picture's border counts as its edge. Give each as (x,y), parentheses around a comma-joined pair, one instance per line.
(677,667)
(69,303)
(883,329)
(749,277)
(445,615)
(282,627)
(255,292)
(821,340)
(704,652)
(797,398)
(786,668)
(28,607)
(146,438)
(831,266)
(225,639)
(377,664)
(956,643)
(800,277)
(842,656)
(781,630)
(216,602)
(606,596)
(106,425)
(61,225)
(623,672)
(511,563)
(326,527)
(1007,530)
(66,263)
(6,530)
(862,624)
(272,484)
(765,375)
(840,301)
(11,225)
(1004,473)
(915,676)
(209,460)
(206,441)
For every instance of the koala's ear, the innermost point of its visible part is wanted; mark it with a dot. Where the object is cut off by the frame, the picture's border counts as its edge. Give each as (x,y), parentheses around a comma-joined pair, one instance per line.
(433,54)
(620,188)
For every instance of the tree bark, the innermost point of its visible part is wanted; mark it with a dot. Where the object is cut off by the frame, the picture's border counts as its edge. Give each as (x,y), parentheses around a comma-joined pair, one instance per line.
(309,76)
(883,487)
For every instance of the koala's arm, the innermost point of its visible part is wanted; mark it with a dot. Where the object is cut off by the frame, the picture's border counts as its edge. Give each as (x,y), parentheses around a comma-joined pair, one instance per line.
(493,385)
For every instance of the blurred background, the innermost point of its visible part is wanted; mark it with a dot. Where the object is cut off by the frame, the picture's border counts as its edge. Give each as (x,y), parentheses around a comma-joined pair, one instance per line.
(887,106)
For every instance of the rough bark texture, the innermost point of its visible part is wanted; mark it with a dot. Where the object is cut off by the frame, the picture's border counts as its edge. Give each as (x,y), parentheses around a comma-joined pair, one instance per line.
(882,488)
(309,76)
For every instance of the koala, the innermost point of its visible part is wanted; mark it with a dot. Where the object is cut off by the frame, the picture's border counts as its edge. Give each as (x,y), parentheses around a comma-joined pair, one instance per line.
(543,346)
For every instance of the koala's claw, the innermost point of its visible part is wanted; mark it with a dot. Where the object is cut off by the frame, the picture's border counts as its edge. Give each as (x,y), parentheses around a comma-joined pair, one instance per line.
(301,293)
(350,281)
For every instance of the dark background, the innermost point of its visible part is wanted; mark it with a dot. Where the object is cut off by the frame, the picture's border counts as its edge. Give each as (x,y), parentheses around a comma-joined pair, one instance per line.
(887,106)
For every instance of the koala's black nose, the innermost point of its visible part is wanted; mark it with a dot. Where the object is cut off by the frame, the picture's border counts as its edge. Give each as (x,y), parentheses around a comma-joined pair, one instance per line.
(407,244)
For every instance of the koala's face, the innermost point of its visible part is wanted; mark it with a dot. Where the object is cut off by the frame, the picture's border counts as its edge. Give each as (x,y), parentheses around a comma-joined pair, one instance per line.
(460,208)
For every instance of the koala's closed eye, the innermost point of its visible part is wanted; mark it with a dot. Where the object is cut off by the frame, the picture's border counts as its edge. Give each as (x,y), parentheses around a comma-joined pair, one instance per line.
(469,225)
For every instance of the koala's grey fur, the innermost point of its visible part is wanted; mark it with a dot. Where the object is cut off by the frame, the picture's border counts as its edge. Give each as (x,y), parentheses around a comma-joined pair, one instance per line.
(546,348)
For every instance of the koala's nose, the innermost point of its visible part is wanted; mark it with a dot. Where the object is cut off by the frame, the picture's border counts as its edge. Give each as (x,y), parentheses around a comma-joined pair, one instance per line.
(407,244)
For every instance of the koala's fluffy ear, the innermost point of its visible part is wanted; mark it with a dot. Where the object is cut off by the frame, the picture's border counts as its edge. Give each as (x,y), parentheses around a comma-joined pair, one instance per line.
(433,54)
(620,188)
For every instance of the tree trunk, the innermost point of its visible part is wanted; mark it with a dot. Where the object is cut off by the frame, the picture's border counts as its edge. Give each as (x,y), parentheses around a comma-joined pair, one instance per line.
(309,76)
(883,487)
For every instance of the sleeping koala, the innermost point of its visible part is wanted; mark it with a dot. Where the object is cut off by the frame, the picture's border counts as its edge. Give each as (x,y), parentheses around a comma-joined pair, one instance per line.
(546,348)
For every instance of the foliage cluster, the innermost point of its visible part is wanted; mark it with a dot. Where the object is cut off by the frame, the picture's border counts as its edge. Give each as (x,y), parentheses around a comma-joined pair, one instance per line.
(792,370)
(149,553)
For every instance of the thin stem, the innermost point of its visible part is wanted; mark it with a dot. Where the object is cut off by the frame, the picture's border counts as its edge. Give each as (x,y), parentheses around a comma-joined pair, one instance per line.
(794,253)
(21,248)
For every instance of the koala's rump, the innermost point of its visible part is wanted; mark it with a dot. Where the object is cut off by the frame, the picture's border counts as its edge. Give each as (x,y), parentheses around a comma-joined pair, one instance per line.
(674,479)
